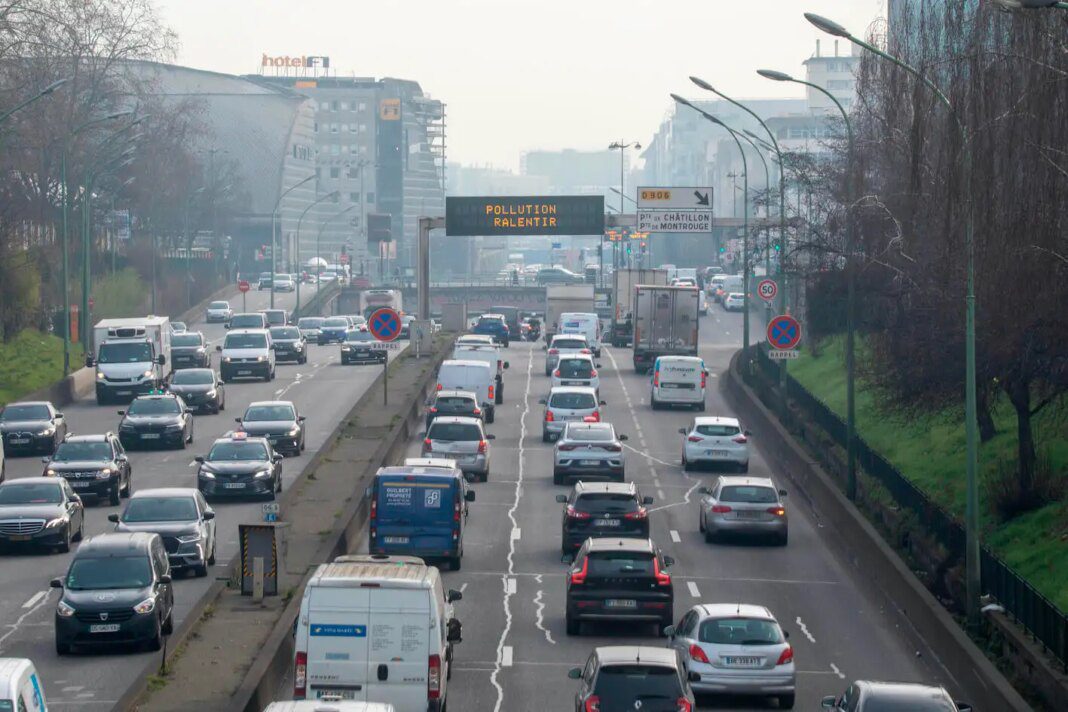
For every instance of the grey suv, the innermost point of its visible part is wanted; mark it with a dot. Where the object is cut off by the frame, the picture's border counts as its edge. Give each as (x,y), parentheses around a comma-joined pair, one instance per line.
(633,677)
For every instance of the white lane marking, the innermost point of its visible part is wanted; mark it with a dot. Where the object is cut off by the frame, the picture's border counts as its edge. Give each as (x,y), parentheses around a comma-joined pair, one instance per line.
(35,599)
(720,578)
(804,629)
(686,499)
(646,455)
(506,656)
(675,537)
(659,493)
(694,591)
(517,533)
(510,587)
(463,588)
(539,616)
(837,672)
(501,647)
(15,626)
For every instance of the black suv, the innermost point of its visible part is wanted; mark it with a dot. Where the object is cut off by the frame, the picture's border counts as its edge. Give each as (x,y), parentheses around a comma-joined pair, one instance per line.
(599,509)
(620,579)
(631,677)
(94,465)
(289,344)
(117,591)
(31,427)
(452,402)
(156,420)
(358,346)
(240,466)
(189,350)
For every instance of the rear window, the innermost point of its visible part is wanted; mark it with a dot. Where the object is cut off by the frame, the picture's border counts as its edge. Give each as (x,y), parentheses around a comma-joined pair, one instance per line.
(219,305)
(596,434)
(569,344)
(606,502)
(454,402)
(748,494)
(573,401)
(310,322)
(721,430)
(454,431)
(576,368)
(242,321)
(620,563)
(740,631)
(187,339)
(620,686)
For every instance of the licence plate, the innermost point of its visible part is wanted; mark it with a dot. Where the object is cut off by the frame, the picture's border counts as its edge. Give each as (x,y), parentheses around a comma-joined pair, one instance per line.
(747,514)
(606,522)
(589,462)
(572,383)
(395,540)
(741,661)
(335,694)
(150,436)
(19,441)
(234,485)
(620,603)
(716,453)
(104,628)
(78,484)
(668,385)
(124,393)
(19,537)
(244,372)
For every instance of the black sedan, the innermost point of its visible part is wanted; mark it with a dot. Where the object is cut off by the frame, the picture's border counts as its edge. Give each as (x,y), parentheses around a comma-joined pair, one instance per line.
(31,427)
(289,344)
(189,349)
(40,512)
(200,388)
(93,465)
(156,420)
(240,466)
(278,421)
(359,347)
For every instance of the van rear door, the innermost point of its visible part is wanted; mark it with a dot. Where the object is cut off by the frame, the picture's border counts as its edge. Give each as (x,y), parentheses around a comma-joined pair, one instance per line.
(338,621)
(415,515)
(400,647)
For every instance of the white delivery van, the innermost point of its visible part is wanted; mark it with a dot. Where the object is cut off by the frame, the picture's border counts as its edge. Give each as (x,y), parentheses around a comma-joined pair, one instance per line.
(375,628)
(492,356)
(678,380)
(131,356)
(475,376)
(20,686)
(587,324)
(328,705)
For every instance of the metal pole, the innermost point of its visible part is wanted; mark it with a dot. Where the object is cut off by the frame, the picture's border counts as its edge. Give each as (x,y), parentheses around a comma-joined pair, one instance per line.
(66,267)
(83,321)
(153,269)
(274,225)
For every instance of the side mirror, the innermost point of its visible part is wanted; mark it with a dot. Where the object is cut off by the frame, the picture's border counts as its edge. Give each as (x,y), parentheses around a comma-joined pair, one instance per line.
(165,578)
(575,673)
(453,595)
(682,431)
(121,412)
(46,460)
(209,515)
(782,493)
(693,676)
(705,491)
(786,634)
(469,496)
(647,500)
(90,361)
(225,326)
(301,419)
(199,458)
(56,583)
(161,360)
(623,438)
(506,364)
(122,457)
(490,436)
(237,420)
(602,402)
(542,401)
(828,702)
(561,498)
(669,561)
(963,706)
(113,518)
(669,631)
(277,458)
(219,347)
(188,411)
(597,365)
(220,383)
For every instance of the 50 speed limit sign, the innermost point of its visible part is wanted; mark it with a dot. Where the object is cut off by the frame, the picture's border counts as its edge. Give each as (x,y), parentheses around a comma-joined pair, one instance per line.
(767,289)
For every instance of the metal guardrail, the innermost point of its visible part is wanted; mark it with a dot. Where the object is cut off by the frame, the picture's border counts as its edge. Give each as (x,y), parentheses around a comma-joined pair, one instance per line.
(1038,615)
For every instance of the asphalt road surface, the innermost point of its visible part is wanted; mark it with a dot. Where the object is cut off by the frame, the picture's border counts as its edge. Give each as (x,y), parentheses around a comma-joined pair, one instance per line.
(322,389)
(515,653)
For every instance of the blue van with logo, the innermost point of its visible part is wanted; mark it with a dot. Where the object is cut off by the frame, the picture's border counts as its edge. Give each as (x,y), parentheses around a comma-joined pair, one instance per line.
(419,510)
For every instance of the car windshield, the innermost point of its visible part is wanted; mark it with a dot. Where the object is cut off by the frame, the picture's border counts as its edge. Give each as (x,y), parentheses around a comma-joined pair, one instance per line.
(25,412)
(154,406)
(30,493)
(748,494)
(606,502)
(620,686)
(247,321)
(94,574)
(160,509)
(740,631)
(620,563)
(454,431)
(720,430)
(492,320)
(222,452)
(591,434)
(270,412)
(245,341)
(336,321)
(310,322)
(358,335)
(125,353)
(72,451)
(908,702)
(285,333)
(193,377)
(572,344)
(576,368)
(573,401)
(219,305)
(187,339)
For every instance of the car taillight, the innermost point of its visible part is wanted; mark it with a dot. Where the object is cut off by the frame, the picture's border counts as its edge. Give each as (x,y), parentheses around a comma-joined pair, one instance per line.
(374,508)
(593,704)
(683,705)
(439,387)
(427,443)
(300,676)
(695,438)
(567,447)
(554,351)
(740,439)
(433,409)
(777,511)
(593,373)
(549,416)
(596,415)
(456,509)
(656,378)
(477,411)
(491,392)
(787,656)
(579,577)
(573,513)
(704,380)
(663,578)
(614,448)
(696,653)
(482,445)
(639,514)
(720,509)
(585,351)
(557,373)
(433,678)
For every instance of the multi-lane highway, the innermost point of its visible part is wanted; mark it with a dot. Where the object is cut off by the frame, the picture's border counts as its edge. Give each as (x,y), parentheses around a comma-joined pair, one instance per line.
(322,389)
(515,653)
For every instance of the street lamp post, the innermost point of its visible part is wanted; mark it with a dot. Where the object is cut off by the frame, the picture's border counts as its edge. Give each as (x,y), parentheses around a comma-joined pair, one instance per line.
(189,247)
(767,211)
(26,102)
(851,303)
(299,221)
(622,147)
(274,226)
(971,517)
(745,229)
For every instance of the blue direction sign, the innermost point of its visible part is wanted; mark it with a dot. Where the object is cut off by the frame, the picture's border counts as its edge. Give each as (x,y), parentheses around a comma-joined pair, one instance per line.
(784,332)
(385,324)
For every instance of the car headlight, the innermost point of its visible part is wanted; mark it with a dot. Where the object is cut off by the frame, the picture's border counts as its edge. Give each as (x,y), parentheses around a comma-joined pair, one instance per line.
(261,358)
(99,376)
(104,473)
(50,472)
(50,430)
(298,346)
(64,610)
(294,431)
(147,374)
(54,523)
(189,538)
(346,348)
(263,474)
(146,606)
(211,394)
(207,475)
(174,426)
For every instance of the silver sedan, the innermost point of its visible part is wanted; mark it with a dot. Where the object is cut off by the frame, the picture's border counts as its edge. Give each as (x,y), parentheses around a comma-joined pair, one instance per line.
(589,451)
(743,505)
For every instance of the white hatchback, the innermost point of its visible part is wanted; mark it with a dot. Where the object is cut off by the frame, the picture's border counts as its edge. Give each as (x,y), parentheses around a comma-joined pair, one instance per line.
(577,370)
(715,440)
(735,301)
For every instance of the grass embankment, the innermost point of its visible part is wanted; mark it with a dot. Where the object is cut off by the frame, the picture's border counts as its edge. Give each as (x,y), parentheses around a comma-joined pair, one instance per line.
(929,450)
(33,360)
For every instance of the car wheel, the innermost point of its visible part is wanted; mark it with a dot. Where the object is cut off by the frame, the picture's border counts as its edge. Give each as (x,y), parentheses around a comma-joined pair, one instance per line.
(278,486)
(114,496)
(786,702)
(454,563)
(491,414)
(701,407)
(686,466)
(80,534)
(710,536)
(701,522)
(783,539)
(63,648)
(126,491)
(558,479)
(156,641)
(200,571)
(544,436)
(573,626)
(211,558)
(303,445)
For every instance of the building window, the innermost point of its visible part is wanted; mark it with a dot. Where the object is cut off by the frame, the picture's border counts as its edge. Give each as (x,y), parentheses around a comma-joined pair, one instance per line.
(345,148)
(335,150)
(335,172)
(315,127)
(363,106)
(344,106)
(354,197)
(363,128)
(370,197)
(333,128)
(353,128)
(334,105)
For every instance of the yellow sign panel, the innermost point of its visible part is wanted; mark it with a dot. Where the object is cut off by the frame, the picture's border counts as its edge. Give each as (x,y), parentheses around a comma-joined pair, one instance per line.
(389,110)
(654,194)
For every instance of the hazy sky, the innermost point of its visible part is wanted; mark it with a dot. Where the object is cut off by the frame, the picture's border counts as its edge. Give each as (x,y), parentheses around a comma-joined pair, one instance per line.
(518,75)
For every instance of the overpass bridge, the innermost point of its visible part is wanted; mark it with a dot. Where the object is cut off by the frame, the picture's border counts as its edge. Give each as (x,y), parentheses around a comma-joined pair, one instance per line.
(477,297)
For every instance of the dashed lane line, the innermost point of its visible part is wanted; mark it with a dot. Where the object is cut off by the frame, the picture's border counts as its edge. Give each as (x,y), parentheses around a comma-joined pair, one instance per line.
(675,537)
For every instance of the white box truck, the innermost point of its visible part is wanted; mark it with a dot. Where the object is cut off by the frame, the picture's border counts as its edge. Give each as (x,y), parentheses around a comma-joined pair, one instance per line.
(131,356)
(623,283)
(665,323)
(564,298)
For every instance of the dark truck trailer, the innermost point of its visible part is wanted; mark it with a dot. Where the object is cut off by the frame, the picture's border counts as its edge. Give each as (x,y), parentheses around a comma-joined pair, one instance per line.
(665,323)
(624,281)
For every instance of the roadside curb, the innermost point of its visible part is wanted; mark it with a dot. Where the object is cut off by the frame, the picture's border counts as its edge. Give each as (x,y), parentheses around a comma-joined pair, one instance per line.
(955,651)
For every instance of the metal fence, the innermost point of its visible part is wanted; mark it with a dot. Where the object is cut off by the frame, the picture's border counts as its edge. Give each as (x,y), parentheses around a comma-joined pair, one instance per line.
(1039,616)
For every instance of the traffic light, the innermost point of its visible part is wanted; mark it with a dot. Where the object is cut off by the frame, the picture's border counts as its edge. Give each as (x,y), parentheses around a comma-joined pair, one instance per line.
(628,248)
(777,247)
(722,249)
